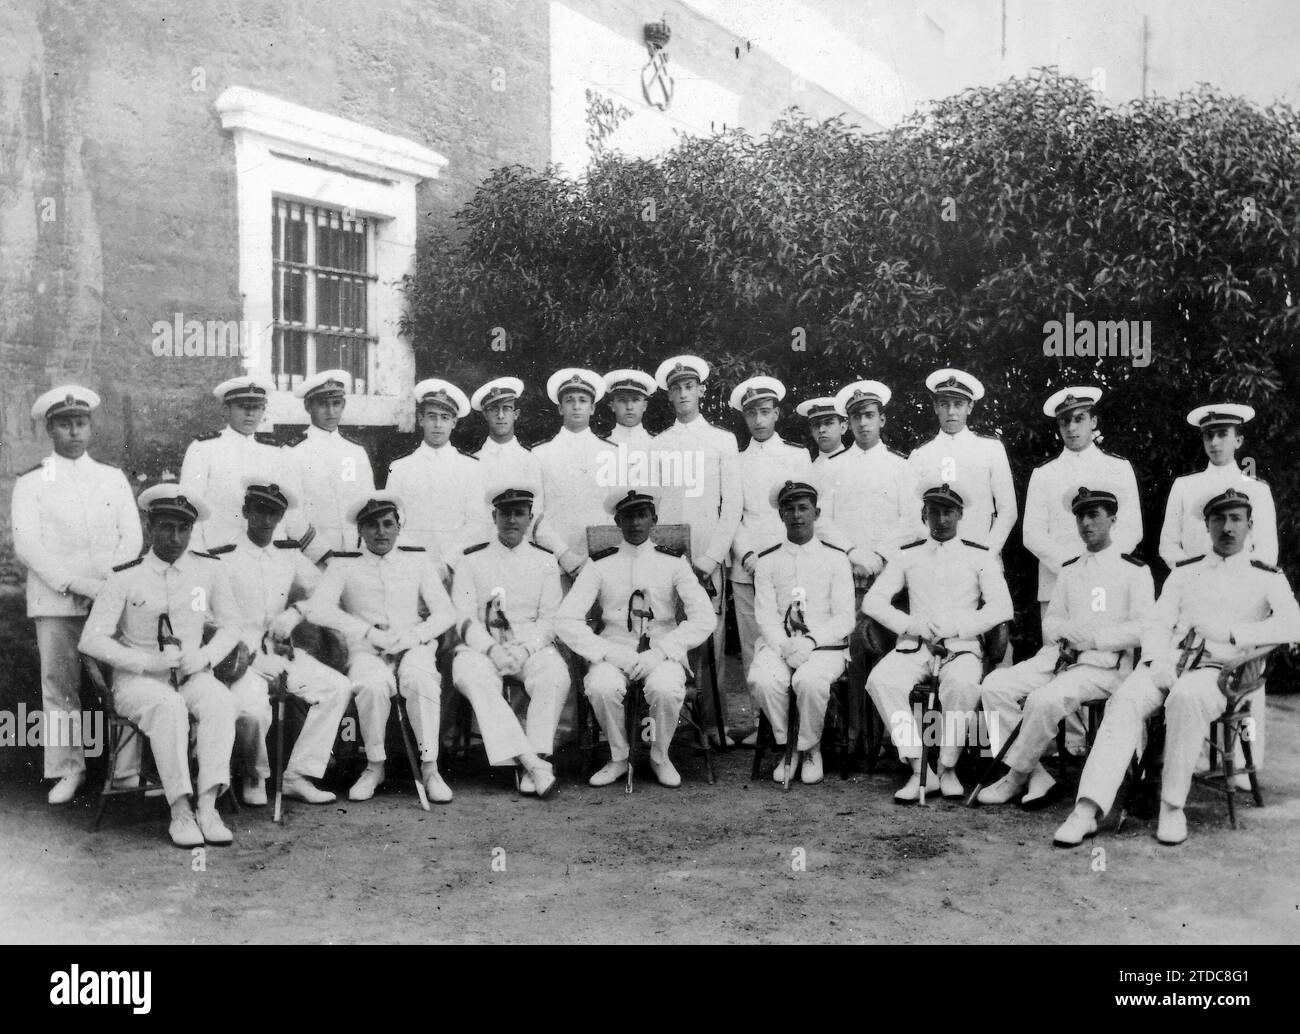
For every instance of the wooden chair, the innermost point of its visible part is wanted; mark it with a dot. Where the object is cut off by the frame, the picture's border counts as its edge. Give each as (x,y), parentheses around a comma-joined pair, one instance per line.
(671,536)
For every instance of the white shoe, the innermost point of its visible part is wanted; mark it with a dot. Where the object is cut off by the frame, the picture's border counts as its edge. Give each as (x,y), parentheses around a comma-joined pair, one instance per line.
(364,788)
(611,773)
(65,789)
(255,791)
(526,784)
(1081,823)
(812,766)
(949,785)
(543,780)
(301,788)
(911,791)
(184,831)
(434,785)
(751,740)
(665,772)
(778,773)
(213,829)
(1172,828)
(1042,790)
(1005,790)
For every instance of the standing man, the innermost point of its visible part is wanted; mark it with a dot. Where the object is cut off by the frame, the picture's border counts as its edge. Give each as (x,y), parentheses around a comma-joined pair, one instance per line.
(331,471)
(1087,649)
(503,460)
(263,571)
(74,519)
(664,578)
(978,461)
(442,485)
(628,392)
(1229,602)
(804,603)
(699,469)
(147,622)
(1183,533)
(571,463)
(215,464)
(767,460)
(1050,533)
(377,599)
(828,423)
(506,594)
(956,593)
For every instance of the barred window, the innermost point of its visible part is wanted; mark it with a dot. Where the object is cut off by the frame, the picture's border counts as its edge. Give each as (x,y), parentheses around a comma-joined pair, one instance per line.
(321,320)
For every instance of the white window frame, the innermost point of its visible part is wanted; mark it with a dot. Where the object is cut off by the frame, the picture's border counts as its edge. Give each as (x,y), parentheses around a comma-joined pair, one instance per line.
(288,151)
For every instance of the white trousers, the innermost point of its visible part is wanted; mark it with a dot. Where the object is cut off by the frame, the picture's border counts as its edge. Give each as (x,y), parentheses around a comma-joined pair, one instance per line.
(1190,705)
(163,714)
(665,692)
(326,690)
(57,638)
(545,677)
(770,679)
(1047,701)
(892,680)
(374,683)
(742,593)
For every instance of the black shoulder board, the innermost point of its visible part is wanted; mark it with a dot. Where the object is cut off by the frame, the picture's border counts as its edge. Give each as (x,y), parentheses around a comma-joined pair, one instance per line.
(411,549)
(670,552)
(1263,566)
(840,453)
(297,439)
(199,552)
(338,553)
(829,545)
(351,441)
(995,437)
(475,548)
(31,470)
(1075,559)
(911,545)
(285,544)
(545,440)
(219,550)
(129,563)
(1189,560)
(1112,455)
(207,437)
(265,437)
(896,453)
(536,546)
(602,553)
(975,544)
(469,454)
(523,446)
(793,445)
(770,549)
(1134,560)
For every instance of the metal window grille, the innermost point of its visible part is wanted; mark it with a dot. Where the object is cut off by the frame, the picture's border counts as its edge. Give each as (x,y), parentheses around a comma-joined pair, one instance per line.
(321,294)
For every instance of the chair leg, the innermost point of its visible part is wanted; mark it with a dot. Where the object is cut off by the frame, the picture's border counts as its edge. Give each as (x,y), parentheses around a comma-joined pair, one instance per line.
(844,736)
(875,736)
(791,736)
(1229,768)
(114,745)
(1249,753)
(761,739)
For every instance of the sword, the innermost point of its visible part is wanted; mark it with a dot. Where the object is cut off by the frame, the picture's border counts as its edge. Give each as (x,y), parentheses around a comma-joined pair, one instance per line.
(494,616)
(645,615)
(166,637)
(1190,653)
(1064,657)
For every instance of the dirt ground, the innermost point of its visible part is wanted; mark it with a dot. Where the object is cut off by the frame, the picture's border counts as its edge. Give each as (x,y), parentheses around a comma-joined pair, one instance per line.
(698,864)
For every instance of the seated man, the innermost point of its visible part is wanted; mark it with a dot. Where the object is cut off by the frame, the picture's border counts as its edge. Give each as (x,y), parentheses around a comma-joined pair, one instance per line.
(804,606)
(1093,621)
(262,573)
(1227,604)
(506,593)
(946,578)
(613,577)
(375,598)
(147,622)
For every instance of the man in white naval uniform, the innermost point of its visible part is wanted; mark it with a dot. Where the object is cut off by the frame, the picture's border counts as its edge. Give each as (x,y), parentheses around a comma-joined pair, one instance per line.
(1231,602)
(376,597)
(572,463)
(803,599)
(956,593)
(1183,535)
(331,472)
(215,464)
(977,461)
(699,471)
(159,683)
(612,577)
(627,392)
(74,520)
(506,593)
(1092,625)
(1049,530)
(263,572)
(442,486)
(503,459)
(767,460)
(828,423)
